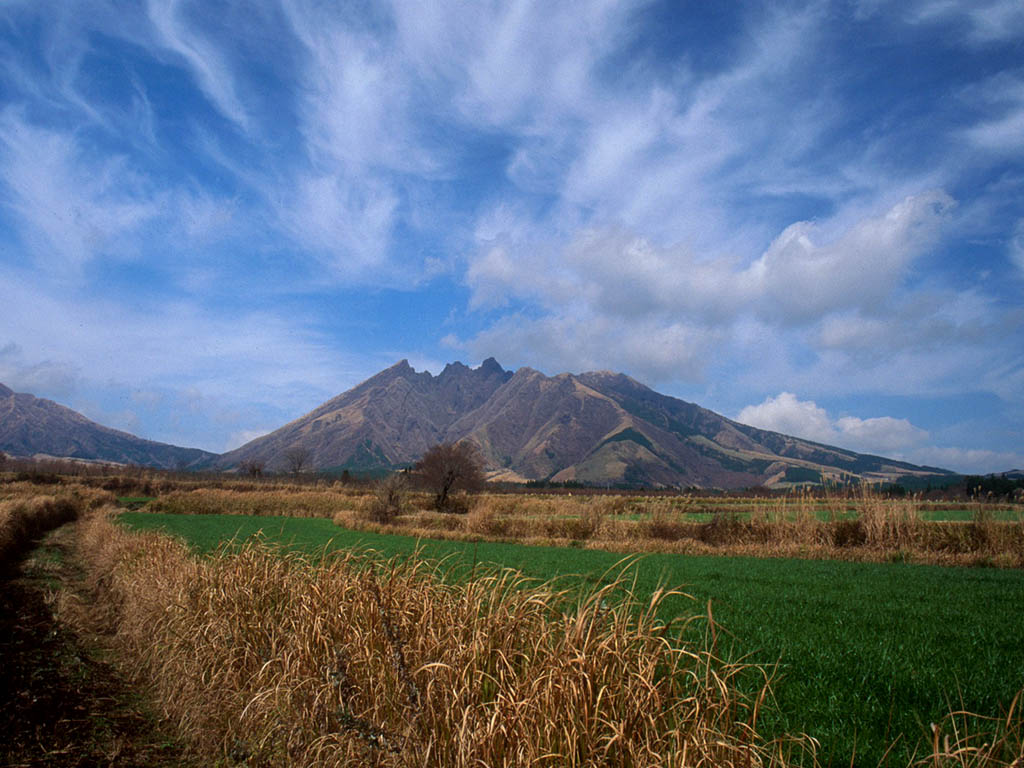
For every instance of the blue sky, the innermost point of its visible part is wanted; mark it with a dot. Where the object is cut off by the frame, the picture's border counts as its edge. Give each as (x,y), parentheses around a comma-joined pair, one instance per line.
(808,216)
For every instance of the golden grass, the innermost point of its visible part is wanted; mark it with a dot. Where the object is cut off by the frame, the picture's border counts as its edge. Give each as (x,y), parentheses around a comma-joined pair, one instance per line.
(880,530)
(967,740)
(25,515)
(261,656)
(285,502)
(863,526)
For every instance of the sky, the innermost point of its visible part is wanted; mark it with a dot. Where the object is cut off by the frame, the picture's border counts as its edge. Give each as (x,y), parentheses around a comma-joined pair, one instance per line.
(806,216)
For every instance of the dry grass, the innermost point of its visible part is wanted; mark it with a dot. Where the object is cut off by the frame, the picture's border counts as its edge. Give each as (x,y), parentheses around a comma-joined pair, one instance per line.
(879,529)
(261,656)
(285,502)
(966,740)
(25,515)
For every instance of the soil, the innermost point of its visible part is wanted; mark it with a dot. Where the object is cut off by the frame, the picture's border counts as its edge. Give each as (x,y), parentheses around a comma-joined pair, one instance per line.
(63,702)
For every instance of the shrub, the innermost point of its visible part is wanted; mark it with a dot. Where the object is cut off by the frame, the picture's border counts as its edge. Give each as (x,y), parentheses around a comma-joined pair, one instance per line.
(723,528)
(848,533)
(662,525)
(450,467)
(389,499)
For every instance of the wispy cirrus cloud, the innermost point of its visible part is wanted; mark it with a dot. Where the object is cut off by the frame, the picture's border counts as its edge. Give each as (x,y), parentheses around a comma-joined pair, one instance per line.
(202,57)
(68,202)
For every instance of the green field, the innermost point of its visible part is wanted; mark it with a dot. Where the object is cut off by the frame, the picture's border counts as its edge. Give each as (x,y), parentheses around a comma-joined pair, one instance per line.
(867,653)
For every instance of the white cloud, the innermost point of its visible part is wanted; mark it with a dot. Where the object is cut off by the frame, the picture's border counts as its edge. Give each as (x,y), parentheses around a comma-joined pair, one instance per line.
(492,56)
(21,374)
(1004,134)
(1016,248)
(801,280)
(789,415)
(641,292)
(358,106)
(259,361)
(969,460)
(984,21)
(578,340)
(987,20)
(882,435)
(70,207)
(347,225)
(203,58)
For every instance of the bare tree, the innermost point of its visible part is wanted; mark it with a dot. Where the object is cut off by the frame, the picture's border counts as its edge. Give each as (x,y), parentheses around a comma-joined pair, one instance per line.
(297,458)
(252,467)
(390,497)
(449,467)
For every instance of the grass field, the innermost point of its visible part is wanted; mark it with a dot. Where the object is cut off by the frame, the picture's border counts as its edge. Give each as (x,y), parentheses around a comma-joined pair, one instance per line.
(869,654)
(860,525)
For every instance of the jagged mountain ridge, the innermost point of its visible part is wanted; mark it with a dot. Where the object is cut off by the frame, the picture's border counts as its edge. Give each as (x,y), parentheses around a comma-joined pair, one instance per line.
(594,428)
(31,426)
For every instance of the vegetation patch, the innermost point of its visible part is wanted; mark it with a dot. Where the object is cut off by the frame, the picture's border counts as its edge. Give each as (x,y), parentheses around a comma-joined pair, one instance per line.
(869,654)
(365,662)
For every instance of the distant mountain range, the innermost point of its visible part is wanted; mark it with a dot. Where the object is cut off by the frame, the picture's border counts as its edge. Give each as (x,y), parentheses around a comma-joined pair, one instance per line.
(31,426)
(594,428)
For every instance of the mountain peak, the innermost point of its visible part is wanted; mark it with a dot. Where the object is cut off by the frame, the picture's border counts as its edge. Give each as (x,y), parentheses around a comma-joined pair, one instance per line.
(452,368)
(5,391)
(490,365)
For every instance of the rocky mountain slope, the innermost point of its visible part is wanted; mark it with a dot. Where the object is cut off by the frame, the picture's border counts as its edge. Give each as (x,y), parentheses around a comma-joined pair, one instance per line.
(31,426)
(594,428)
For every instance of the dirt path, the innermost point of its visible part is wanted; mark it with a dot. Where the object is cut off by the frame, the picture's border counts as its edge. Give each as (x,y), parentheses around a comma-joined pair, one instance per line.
(62,704)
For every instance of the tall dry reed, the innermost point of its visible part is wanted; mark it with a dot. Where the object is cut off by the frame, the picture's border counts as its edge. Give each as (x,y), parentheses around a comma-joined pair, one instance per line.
(966,740)
(263,656)
(864,525)
(889,523)
(290,502)
(26,515)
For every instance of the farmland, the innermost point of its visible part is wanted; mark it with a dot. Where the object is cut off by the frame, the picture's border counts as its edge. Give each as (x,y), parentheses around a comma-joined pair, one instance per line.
(317,636)
(857,526)
(867,652)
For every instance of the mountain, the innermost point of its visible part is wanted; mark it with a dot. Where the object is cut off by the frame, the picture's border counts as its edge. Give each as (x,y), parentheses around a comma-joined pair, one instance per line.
(593,428)
(30,426)
(390,419)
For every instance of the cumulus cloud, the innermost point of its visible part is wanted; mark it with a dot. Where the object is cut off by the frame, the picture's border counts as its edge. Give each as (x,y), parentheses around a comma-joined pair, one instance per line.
(970,460)
(881,435)
(801,280)
(616,280)
(789,415)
